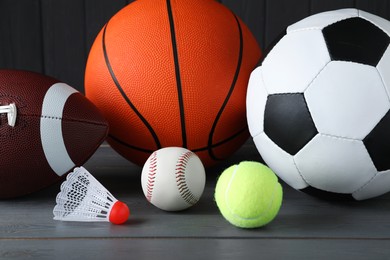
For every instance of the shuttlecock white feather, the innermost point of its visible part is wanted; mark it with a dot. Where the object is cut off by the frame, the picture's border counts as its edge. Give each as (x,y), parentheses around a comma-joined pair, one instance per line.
(83,198)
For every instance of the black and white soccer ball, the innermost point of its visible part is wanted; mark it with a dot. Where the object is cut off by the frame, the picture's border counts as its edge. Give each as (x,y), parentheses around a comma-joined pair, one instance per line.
(318,106)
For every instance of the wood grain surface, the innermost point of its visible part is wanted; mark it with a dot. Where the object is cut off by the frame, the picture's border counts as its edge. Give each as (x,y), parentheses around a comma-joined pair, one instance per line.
(305,227)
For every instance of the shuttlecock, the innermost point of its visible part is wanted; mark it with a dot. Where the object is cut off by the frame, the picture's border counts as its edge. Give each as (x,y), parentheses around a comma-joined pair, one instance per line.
(83,198)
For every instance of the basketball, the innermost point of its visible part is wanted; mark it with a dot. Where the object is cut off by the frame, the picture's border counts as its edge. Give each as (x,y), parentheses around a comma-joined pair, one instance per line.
(173,73)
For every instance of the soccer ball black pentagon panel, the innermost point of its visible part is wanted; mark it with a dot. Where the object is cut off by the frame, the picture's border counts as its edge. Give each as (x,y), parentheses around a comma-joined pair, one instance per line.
(318,107)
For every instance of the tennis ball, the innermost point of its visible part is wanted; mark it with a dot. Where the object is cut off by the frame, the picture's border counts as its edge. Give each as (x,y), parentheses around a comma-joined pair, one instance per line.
(248,195)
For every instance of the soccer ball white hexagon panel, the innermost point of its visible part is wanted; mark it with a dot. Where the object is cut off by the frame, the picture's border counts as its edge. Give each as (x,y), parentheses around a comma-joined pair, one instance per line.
(335,164)
(256,99)
(300,56)
(347,99)
(325,122)
(279,161)
(383,68)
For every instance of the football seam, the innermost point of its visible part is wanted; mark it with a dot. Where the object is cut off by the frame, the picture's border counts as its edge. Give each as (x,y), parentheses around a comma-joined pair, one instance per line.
(64,119)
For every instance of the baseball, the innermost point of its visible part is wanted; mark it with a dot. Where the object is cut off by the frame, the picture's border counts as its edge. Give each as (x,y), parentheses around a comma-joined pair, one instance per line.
(173,178)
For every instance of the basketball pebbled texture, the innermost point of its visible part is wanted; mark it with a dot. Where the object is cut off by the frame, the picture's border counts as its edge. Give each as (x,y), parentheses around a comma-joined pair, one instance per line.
(56,129)
(173,73)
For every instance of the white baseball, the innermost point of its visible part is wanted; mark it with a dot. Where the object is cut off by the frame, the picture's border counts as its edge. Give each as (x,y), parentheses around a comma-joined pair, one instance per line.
(173,178)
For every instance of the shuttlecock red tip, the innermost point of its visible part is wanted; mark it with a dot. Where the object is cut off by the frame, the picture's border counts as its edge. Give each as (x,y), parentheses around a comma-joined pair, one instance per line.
(119,213)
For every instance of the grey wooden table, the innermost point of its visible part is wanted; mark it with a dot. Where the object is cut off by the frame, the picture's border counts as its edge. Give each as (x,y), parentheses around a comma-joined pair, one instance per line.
(306,228)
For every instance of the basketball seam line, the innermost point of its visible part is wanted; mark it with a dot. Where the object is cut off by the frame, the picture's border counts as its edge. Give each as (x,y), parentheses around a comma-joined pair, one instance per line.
(122,92)
(177,74)
(119,141)
(232,87)
(116,139)
(243,130)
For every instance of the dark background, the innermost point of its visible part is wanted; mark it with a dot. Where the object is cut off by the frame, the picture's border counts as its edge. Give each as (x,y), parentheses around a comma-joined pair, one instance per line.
(54,36)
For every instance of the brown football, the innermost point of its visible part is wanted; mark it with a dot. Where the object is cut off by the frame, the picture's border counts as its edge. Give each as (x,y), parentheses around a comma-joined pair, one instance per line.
(46,129)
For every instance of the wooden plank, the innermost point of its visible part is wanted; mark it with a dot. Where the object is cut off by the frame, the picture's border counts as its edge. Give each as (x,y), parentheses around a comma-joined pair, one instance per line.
(196,249)
(20,30)
(301,216)
(253,15)
(305,227)
(63,23)
(97,14)
(282,13)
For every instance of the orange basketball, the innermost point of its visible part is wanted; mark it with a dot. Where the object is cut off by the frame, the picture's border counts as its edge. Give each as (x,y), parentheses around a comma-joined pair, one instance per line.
(173,73)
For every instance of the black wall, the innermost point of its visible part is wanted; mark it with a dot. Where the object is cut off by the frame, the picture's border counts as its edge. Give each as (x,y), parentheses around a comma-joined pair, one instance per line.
(54,36)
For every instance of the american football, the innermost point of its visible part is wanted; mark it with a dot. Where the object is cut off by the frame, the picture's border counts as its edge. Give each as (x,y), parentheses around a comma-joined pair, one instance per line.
(46,129)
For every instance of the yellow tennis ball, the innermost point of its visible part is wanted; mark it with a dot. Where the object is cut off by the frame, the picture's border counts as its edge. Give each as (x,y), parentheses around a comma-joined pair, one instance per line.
(248,195)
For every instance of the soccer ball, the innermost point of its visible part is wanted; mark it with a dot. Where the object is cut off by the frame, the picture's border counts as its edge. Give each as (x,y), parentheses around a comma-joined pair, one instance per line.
(318,106)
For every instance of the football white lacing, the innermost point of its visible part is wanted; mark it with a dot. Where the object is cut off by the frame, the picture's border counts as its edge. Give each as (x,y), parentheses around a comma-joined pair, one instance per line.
(11,113)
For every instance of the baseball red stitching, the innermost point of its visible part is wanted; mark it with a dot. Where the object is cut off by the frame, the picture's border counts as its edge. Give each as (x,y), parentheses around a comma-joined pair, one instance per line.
(151,176)
(184,191)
